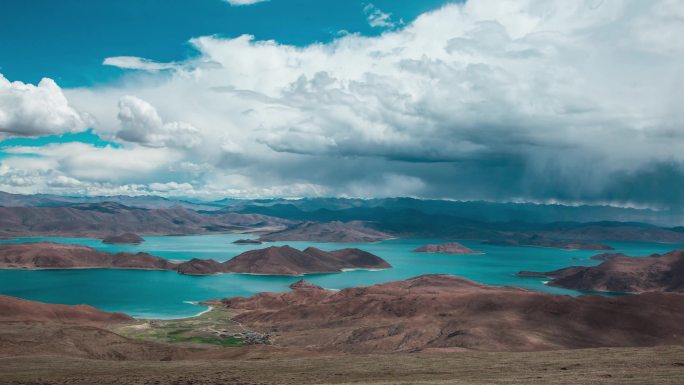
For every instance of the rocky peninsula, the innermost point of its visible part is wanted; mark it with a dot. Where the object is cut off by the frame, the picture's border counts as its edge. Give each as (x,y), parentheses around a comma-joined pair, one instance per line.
(619,273)
(49,255)
(275,260)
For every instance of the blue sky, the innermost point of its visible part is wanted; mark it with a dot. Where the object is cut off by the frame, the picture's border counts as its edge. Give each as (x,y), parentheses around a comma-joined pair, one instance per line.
(571,101)
(67,40)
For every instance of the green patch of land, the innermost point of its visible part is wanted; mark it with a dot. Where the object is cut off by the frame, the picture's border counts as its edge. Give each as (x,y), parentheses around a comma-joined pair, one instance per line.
(213,327)
(181,335)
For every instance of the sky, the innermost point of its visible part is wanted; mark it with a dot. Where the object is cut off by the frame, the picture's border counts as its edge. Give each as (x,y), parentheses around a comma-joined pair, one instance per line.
(569,101)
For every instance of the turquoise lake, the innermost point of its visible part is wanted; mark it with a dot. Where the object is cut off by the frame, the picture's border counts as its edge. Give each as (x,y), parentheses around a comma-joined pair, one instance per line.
(166,294)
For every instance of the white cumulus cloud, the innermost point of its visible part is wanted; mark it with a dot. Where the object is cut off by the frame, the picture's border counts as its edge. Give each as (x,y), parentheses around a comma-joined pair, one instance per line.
(539,99)
(136,63)
(244,2)
(35,110)
(142,124)
(378,18)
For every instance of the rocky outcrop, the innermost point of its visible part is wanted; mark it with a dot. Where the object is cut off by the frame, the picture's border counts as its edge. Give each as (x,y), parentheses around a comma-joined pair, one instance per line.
(445,248)
(442,312)
(342,232)
(304,285)
(541,241)
(48,255)
(125,238)
(625,274)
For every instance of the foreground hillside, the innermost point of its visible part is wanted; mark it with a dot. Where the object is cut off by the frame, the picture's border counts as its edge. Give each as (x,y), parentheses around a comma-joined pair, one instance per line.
(614,366)
(447,312)
(432,326)
(426,313)
(82,352)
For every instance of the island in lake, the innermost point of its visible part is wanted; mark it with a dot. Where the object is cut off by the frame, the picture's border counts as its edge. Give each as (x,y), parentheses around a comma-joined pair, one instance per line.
(247,242)
(125,238)
(445,248)
(285,260)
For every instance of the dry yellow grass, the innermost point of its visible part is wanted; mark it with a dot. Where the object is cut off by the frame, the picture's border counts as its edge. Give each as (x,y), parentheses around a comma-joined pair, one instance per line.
(659,365)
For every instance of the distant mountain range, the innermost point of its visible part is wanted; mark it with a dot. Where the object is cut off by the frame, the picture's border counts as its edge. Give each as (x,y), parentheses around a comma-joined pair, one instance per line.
(332,208)
(146,201)
(351,220)
(99,220)
(328,209)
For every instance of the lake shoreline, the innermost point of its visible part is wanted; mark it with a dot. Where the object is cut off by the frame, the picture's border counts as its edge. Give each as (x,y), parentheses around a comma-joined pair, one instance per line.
(159,293)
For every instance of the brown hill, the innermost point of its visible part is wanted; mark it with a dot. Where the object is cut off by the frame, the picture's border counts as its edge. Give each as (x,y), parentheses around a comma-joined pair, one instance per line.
(441,311)
(343,232)
(16,309)
(36,328)
(304,285)
(625,274)
(285,260)
(197,266)
(125,238)
(48,255)
(103,219)
(445,248)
